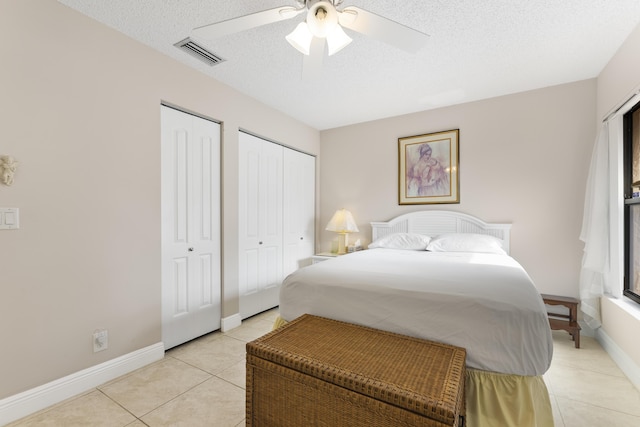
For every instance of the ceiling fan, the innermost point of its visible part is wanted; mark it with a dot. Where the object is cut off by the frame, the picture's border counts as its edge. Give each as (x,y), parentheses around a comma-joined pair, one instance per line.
(322,26)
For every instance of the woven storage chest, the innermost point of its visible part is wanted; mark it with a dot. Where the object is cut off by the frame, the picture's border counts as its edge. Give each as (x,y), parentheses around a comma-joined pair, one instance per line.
(321,372)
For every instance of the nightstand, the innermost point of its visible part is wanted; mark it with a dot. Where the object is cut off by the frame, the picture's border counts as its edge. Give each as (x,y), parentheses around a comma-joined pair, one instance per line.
(565,322)
(323,256)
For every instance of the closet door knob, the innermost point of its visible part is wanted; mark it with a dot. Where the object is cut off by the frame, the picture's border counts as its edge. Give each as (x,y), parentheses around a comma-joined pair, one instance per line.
(302,238)
(190,249)
(259,243)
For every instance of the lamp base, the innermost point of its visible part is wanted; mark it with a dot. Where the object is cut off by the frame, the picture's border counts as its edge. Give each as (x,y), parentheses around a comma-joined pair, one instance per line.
(343,242)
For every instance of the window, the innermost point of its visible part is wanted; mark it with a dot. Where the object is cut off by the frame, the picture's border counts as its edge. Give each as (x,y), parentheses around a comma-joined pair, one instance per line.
(631,123)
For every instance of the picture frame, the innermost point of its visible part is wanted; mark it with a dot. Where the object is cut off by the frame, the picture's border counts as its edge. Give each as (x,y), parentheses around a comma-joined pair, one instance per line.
(429,168)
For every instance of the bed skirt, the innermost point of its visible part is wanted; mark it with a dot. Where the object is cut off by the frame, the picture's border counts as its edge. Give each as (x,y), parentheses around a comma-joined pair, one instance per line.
(495,399)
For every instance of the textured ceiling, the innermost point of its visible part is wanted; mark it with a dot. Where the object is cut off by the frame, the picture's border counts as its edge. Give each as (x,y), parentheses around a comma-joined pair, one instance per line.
(477,50)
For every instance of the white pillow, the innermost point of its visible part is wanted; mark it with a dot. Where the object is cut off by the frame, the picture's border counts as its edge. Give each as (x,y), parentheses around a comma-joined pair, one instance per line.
(410,241)
(466,242)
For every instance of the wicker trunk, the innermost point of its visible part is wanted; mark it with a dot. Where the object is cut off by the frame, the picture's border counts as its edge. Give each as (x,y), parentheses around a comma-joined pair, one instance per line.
(321,372)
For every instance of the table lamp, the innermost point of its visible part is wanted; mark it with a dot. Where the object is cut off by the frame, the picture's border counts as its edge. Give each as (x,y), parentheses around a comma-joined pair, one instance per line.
(342,223)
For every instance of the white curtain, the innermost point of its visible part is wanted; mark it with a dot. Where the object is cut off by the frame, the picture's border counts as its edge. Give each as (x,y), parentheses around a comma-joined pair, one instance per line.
(595,232)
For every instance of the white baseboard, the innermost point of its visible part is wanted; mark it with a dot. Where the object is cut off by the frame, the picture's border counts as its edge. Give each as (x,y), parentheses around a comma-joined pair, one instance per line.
(624,362)
(230,322)
(30,401)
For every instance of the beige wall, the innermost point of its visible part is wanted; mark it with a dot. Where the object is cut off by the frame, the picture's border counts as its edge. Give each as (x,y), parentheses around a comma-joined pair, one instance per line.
(523,159)
(619,79)
(80,111)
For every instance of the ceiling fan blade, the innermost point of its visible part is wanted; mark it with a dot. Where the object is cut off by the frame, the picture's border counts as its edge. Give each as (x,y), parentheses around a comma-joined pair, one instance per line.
(382,29)
(312,63)
(246,22)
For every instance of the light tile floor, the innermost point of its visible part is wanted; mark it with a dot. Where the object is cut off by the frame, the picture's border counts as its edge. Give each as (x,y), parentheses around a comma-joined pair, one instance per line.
(202,383)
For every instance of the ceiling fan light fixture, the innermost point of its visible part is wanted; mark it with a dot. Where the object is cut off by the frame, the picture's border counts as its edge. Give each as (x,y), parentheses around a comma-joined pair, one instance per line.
(322,18)
(337,40)
(300,38)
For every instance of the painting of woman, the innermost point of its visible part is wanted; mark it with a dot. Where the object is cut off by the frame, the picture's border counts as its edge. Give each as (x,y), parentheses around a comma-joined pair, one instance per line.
(428,176)
(428,166)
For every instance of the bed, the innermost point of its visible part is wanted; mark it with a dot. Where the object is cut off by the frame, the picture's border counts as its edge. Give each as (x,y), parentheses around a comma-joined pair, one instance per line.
(446,277)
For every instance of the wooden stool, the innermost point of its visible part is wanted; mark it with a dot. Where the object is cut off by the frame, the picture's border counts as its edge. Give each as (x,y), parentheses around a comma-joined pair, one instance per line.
(564,322)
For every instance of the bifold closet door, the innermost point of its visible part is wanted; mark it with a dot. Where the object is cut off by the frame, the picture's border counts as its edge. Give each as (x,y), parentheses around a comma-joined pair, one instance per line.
(191,276)
(260,189)
(277,219)
(299,210)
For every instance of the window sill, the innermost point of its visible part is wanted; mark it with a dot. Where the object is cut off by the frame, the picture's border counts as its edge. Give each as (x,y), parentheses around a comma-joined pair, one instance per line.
(626,304)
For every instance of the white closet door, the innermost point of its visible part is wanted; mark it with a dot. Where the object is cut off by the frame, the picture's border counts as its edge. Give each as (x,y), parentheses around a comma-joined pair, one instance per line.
(191,289)
(299,210)
(260,224)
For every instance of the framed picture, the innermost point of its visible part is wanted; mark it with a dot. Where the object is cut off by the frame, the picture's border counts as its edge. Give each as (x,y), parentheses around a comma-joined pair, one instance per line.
(428,168)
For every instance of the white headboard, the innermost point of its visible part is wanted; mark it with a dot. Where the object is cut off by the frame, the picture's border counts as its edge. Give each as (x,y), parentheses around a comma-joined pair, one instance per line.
(433,223)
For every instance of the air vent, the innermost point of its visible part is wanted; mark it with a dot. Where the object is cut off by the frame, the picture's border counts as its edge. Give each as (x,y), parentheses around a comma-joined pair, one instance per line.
(199,52)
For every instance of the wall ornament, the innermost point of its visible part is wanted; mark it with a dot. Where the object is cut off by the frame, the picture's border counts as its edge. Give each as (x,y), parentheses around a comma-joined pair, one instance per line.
(8,166)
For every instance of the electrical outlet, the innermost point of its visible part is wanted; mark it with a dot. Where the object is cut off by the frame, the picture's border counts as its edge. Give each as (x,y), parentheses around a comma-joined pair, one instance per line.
(100,340)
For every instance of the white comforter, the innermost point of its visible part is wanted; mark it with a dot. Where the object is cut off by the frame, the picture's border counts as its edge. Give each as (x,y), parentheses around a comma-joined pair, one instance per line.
(483,302)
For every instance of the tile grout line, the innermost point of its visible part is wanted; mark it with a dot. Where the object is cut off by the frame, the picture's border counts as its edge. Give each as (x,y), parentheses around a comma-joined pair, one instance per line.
(171,400)
(597,406)
(203,370)
(117,403)
(594,371)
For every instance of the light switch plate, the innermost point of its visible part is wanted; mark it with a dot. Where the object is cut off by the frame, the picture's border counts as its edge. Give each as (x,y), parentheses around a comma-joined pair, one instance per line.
(9,218)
